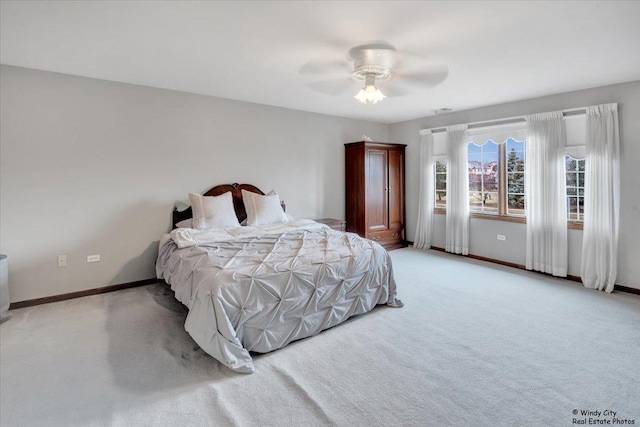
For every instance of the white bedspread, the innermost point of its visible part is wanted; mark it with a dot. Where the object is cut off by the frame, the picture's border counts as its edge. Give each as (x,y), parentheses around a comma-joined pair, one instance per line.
(259,288)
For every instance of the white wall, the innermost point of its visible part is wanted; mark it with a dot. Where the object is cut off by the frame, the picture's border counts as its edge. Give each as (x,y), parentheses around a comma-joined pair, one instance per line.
(483,233)
(94,167)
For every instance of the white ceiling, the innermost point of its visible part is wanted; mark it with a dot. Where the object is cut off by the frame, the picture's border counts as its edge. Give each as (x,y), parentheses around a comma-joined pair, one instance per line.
(253,51)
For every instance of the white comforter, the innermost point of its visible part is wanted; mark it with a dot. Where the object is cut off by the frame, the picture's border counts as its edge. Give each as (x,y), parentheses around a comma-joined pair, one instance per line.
(259,288)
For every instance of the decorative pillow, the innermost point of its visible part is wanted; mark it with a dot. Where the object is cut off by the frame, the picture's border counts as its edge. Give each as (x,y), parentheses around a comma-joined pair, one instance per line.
(186,223)
(243,223)
(263,209)
(213,211)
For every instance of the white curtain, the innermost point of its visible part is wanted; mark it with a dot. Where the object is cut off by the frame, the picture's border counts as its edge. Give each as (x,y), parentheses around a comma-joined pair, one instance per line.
(602,198)
(457,225)
(545,187)
(426,192)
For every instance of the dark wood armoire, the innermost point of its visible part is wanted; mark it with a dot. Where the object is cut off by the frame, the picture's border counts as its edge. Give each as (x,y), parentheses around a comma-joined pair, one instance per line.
(375,192)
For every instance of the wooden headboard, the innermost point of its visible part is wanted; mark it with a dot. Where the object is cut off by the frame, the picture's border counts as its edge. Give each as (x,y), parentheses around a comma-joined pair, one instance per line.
(236,192)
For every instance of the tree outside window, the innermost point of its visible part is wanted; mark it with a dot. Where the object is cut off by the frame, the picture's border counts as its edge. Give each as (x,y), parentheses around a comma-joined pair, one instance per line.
(515,178)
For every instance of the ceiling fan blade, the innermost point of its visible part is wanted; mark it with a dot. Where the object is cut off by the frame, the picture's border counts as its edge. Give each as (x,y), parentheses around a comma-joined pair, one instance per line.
(333,86)
(337,45)
(428,79)
(419,63)
(325,68)
(393,91)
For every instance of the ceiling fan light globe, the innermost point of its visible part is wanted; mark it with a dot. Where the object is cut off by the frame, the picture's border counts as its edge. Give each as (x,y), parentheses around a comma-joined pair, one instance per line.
(369,95)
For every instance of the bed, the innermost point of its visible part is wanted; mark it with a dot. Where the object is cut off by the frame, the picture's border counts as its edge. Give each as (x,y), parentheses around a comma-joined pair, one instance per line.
(258,287)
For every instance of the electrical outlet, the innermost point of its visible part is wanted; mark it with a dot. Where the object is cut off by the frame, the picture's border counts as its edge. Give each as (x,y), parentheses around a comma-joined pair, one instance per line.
(62,260)
(93,258)
(502,237)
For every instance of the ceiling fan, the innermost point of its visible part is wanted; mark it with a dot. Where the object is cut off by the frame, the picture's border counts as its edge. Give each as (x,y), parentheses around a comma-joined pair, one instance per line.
(398,73)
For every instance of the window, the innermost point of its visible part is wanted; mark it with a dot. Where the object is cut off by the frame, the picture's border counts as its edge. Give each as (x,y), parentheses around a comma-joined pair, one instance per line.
(486,172)
(515,177)
(575,188)
(440,171)
(484,178)
(496,156)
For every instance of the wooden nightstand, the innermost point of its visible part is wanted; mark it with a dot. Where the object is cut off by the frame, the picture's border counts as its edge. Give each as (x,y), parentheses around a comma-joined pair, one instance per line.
(336,224)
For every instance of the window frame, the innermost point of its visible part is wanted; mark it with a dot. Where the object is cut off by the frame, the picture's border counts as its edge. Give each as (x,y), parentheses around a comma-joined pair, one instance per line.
(436,208)
(576,224)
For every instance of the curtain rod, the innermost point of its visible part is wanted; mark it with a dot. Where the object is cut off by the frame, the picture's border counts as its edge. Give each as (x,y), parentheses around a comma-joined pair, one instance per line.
(507,121)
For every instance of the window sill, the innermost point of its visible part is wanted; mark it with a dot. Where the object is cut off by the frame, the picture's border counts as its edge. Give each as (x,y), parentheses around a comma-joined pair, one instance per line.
(570,224)
(485,216)
(574,225)
(499,218)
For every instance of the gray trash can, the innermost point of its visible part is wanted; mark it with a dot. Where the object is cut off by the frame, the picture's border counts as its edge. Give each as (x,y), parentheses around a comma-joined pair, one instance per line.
(5,301)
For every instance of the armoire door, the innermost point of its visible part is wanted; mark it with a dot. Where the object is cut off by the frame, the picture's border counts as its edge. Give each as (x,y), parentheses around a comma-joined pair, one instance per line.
(396,185)
(377,185)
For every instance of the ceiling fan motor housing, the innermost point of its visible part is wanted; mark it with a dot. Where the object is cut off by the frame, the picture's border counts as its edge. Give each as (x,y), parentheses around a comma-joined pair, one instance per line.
(373,63)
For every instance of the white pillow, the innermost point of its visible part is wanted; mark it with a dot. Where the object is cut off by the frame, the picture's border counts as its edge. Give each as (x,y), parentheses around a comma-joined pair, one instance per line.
(243,223)
(185,223)
(263,209)
(213,211)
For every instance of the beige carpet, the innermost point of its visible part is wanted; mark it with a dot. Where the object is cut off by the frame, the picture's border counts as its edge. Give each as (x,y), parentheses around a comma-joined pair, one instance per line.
(475,345)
